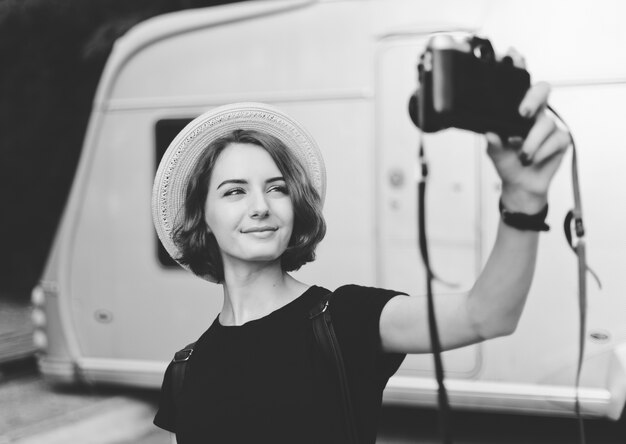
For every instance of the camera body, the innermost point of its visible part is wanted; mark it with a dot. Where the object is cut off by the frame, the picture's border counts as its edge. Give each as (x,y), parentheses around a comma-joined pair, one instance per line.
(463,85)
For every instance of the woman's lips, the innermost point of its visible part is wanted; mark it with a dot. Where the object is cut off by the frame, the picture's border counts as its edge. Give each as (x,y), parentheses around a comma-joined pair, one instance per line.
(258,229)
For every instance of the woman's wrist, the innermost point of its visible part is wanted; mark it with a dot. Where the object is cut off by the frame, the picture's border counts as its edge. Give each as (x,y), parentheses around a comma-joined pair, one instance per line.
(518,200)
(523,210)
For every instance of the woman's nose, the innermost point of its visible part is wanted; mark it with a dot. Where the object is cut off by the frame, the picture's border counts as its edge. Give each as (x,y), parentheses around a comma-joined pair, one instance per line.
(258,206)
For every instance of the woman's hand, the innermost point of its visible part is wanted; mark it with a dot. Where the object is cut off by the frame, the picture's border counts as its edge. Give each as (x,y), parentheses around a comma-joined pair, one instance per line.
(527,167)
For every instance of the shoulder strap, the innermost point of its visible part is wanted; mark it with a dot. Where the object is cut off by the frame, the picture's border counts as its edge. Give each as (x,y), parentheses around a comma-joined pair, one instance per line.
(179,370)
(327,342)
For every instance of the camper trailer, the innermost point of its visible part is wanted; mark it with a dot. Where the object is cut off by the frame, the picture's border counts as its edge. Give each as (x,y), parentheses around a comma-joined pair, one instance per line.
(116,307)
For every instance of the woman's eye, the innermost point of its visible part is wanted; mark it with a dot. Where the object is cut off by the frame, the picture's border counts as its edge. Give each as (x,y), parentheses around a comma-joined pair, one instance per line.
(279,189)
(233,191)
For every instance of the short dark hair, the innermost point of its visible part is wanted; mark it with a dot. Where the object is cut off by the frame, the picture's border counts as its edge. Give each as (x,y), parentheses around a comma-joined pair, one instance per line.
(198,247)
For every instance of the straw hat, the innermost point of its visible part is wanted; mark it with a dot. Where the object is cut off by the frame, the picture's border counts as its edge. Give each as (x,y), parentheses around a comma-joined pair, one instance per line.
(170,183)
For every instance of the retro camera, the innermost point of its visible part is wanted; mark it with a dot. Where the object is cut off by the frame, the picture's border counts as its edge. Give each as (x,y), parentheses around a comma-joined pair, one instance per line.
(463,85)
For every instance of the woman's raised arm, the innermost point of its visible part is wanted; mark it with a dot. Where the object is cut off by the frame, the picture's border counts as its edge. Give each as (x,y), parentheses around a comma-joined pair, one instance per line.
(494,304)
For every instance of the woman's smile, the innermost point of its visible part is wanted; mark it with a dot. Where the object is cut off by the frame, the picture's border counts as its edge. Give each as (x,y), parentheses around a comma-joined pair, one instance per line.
(259,229)
(260,232)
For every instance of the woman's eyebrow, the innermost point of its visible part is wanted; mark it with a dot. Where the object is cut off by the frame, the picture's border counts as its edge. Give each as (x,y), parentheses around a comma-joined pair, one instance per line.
(275,179)
(244,182)
(235,181)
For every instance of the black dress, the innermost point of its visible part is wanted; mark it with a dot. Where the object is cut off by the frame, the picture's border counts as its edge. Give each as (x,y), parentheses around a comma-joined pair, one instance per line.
(266,382)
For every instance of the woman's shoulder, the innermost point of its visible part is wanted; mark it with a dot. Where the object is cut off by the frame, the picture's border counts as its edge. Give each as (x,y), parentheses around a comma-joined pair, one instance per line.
(361,291)
(352,298)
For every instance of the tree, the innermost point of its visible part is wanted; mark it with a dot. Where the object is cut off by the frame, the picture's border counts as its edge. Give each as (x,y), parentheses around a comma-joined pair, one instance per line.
(52,53)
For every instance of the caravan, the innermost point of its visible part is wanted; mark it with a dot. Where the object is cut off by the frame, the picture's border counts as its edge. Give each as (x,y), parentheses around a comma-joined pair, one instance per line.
(116,306)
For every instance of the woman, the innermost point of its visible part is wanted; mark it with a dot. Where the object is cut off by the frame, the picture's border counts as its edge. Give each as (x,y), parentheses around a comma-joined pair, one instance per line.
(237,200)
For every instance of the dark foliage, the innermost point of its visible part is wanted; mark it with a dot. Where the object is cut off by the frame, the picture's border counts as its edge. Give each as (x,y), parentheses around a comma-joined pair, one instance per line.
(52,53)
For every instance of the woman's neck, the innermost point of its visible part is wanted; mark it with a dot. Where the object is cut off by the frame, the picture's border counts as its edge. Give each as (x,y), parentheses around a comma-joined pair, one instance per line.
(253,294)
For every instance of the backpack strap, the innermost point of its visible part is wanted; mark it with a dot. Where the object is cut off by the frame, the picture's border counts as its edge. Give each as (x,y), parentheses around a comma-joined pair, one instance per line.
(327,343)
(179,370)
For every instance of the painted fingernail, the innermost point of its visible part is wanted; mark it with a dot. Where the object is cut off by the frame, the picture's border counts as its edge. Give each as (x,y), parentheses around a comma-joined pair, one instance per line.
(515,141)
(524,112)
(523,157)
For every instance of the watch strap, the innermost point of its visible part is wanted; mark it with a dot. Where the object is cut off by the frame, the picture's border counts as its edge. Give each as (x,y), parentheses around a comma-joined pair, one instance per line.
(523,221)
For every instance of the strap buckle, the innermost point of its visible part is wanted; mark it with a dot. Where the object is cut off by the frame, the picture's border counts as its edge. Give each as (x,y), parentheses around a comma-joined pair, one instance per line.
(182,355)
(579,227)
(322,309)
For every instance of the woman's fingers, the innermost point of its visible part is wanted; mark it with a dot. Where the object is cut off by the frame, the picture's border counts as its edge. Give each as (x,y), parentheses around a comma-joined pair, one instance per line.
(535,100)
(518,59)
(493,140)
(542,129)
(556,143)
(545,139)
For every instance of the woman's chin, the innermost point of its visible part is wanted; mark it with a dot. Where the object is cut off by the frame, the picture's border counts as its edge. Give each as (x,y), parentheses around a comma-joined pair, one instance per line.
(259,258)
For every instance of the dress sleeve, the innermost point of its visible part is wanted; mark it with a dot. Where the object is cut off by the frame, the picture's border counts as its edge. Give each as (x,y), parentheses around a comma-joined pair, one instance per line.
(357,311)
(166,414)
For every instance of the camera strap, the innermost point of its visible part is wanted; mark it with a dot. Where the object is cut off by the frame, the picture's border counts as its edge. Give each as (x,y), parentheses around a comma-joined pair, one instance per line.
(579,247)
(576,239)
(575,235)
(445,428)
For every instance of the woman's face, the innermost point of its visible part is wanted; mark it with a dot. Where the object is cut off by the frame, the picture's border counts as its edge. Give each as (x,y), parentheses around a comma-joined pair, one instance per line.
(247,208)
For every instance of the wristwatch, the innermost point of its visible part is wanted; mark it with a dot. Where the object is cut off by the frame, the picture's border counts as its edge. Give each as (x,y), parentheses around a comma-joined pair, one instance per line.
(523,221)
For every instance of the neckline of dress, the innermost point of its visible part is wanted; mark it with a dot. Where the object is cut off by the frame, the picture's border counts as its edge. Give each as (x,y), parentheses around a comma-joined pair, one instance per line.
(272,314)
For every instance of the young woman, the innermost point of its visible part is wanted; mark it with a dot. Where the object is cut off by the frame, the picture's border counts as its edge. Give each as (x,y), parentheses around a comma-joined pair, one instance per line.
(237,201)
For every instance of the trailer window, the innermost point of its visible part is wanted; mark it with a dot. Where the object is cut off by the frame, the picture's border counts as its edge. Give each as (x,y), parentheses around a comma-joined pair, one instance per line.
(165,131)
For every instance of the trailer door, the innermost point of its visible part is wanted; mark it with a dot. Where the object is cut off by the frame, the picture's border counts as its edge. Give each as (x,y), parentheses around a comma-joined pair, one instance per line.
(452,197)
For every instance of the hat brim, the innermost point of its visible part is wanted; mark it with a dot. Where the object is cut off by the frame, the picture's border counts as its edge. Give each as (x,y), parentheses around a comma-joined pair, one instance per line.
(179,160)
